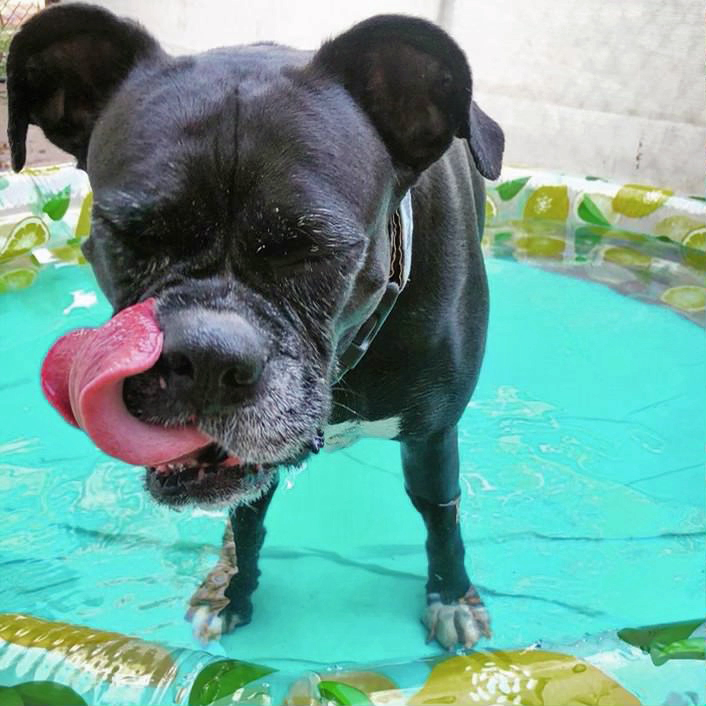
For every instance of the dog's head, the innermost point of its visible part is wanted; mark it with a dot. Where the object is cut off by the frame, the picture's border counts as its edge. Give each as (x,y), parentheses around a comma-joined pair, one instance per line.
(244,195)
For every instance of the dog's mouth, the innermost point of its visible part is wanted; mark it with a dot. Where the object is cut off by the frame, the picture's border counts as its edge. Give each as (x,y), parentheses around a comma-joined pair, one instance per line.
(83,376)
(209,476)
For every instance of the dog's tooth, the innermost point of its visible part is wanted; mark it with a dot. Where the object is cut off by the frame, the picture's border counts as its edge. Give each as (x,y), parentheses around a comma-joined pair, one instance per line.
(201,474)
(162,383)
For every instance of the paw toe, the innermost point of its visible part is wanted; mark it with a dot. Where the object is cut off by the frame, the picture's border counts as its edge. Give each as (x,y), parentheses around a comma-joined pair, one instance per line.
(458,623)
(205,624)
(466,627)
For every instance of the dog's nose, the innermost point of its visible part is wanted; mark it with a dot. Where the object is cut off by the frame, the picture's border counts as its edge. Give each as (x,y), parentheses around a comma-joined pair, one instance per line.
(212,358)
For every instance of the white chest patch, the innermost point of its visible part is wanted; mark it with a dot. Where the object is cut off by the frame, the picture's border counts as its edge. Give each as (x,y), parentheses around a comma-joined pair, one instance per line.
(338,436)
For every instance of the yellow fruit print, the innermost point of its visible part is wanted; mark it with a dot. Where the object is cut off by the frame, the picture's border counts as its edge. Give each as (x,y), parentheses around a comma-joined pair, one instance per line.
(19,278)
(677,227)
(638,201)
(69,253)
(527,677)
(548,203)
(627,257)
(26,235)
(94,650)
(83,225)
(686,298)
(541,246)
(694,252)
(696,238)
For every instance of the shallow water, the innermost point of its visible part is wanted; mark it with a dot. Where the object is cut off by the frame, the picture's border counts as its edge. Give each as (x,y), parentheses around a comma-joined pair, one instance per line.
(582,469)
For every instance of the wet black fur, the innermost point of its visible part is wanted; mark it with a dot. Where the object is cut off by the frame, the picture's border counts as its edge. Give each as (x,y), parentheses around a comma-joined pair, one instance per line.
(259,181)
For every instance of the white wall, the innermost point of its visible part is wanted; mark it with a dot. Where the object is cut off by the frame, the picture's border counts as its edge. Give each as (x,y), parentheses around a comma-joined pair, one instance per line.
(613,88)
(607,87)
(194,25)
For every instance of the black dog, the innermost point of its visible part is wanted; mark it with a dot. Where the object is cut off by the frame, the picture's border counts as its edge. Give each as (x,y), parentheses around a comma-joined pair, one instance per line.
(262,198)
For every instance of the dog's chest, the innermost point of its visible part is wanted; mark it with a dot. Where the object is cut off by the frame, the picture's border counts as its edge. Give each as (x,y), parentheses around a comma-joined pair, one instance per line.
(338,436)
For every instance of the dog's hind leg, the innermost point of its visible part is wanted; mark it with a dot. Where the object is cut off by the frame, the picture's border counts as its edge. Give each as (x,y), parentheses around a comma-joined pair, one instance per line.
(223,600)
(455,613)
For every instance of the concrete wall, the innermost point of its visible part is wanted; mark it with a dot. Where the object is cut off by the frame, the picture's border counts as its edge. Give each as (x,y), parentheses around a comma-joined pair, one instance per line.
(613,88)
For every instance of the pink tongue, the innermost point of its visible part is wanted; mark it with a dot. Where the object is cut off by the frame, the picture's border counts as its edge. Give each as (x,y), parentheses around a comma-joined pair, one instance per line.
(82,377)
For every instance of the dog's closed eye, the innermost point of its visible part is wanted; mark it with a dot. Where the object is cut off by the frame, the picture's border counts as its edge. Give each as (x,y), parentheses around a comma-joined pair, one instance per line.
(294,249)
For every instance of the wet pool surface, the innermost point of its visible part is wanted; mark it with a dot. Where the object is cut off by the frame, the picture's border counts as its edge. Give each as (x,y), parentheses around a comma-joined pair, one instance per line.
(582,474)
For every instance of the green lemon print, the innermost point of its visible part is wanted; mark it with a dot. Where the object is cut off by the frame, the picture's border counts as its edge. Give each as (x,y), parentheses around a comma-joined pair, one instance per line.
(220,680)
(25,236)
(509,189)
(687,297)
(48,693)
(548,203)
(596,209)
(57,204)
(10,697)
(638,201)
(627,257)
(343,694)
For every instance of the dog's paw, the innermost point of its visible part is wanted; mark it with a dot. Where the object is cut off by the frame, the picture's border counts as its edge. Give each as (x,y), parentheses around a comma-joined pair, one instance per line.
(462,622)
(211,612)
(208,624)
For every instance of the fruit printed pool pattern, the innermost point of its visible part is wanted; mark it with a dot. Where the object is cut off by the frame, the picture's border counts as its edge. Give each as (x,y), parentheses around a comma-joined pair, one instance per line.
(643,241)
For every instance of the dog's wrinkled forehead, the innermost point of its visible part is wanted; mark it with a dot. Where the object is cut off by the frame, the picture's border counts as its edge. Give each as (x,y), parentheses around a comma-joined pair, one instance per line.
(229,128)
(205,167)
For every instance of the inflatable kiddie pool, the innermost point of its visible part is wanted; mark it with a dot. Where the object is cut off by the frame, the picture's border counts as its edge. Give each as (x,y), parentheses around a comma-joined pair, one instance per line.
(581,462)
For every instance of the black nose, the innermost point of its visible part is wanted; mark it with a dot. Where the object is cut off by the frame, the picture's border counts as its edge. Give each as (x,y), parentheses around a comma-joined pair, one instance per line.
(211,358)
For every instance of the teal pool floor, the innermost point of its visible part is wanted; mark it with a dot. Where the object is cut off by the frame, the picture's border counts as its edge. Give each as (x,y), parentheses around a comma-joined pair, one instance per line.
(582,467)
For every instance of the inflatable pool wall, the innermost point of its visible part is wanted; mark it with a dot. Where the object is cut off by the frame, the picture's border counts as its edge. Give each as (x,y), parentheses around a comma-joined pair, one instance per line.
(56,664)
(642,241)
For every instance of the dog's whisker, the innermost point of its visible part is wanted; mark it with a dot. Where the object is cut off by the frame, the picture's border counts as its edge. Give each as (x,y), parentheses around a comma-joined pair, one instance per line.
(347,409)
(345,388)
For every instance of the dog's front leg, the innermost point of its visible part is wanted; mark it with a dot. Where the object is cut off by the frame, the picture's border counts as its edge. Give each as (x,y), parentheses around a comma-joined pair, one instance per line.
(454,613)
(223,600)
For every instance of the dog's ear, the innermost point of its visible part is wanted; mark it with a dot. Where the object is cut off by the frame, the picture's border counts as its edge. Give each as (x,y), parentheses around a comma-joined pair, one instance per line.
(487,142)
(414,83)
(62,68)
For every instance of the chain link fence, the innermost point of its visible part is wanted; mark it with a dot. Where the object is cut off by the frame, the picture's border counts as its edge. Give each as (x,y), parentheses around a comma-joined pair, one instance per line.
(12,14)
